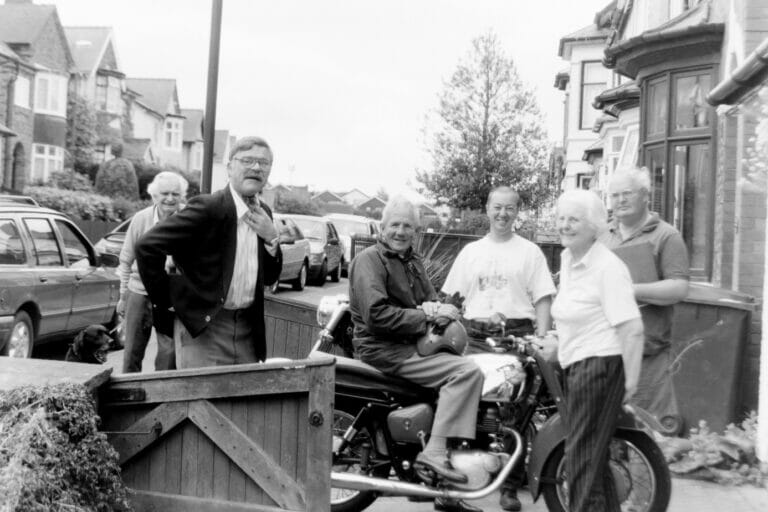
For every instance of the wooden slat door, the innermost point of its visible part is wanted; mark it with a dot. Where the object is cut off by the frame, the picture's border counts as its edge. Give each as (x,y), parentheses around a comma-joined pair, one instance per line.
(238,438)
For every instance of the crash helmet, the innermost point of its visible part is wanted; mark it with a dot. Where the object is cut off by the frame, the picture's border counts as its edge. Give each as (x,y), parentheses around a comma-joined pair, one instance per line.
(453,339)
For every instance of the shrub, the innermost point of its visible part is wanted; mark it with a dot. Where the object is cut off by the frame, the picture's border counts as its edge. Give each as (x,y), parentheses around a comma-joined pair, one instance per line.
(69,180)
(124,208)
(52,456)
(117,178)
(145,173)
(75,204)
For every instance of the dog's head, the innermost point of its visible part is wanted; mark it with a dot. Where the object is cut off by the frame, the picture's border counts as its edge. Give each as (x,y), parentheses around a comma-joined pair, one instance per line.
(92,344)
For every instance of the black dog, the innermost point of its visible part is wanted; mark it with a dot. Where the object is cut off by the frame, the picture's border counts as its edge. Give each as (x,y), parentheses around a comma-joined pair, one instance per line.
(90,345)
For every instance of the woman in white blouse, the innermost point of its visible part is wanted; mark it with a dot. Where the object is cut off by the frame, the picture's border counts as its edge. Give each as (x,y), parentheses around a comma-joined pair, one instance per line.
(600,347)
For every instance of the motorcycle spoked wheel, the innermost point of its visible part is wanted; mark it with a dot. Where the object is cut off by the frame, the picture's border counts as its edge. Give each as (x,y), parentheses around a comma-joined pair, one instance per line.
(348,500)
(640,474)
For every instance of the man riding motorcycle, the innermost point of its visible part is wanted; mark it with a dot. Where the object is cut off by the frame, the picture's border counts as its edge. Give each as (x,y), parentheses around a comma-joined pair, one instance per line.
(392,300)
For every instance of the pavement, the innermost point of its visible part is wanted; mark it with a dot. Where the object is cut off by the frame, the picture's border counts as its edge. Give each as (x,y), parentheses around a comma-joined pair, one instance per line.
(687,495)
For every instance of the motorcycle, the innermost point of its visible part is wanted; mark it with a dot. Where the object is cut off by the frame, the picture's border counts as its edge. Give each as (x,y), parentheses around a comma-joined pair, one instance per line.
(381,424)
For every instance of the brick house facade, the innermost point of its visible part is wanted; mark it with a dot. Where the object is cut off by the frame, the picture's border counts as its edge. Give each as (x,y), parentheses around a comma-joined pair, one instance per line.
(34,35)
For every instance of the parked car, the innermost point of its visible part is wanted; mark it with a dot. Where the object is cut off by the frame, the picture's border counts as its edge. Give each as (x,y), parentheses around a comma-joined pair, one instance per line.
(327,251)
(53,283)
(296,254)
(348,225)
(112,242)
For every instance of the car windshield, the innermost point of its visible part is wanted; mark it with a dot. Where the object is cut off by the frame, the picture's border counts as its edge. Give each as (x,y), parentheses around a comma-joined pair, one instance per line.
(350,227)
(312,229)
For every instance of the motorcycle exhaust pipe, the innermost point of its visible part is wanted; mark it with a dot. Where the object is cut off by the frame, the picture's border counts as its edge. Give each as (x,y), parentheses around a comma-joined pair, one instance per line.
(395,488)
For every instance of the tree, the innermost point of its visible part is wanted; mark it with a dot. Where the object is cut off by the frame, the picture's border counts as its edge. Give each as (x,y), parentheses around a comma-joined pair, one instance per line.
(488,133)
(81,133)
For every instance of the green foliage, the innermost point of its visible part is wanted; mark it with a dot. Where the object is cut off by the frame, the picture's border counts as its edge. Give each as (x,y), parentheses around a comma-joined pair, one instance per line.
(490,133)
(68,180)
(75,204)
(124,208)
(52,456)
(472,222)
(727,458)
(145,173)
(117,178)
(81,132)
(293,203)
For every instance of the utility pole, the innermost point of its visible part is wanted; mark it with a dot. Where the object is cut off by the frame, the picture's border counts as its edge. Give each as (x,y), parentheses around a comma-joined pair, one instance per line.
(209,125)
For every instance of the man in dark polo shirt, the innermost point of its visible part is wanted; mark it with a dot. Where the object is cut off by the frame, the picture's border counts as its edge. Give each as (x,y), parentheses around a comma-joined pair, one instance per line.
(658,261)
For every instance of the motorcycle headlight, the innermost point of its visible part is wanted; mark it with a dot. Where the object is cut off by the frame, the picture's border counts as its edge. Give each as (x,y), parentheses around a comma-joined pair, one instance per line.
(327,306)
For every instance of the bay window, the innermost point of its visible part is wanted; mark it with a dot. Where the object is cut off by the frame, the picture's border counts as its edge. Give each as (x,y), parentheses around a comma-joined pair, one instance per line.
(677,150)
(108,94)
(45,160)
(21,92)
(594,80)
(51,94)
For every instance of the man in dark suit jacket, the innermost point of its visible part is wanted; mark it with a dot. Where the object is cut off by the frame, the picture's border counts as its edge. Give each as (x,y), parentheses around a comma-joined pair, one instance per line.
(225,249)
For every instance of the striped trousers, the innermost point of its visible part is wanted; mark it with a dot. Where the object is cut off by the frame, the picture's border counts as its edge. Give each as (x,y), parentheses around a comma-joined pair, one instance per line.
(594,389)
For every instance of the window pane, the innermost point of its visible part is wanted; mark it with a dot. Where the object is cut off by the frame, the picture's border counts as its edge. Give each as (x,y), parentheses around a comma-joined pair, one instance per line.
(594,72)
(691,109)
(629,155)
(41,94)
(656,164)
(74,248)
(656,123)
(692,208)
(11,250)
(54,95)
(45,248)
(616,144)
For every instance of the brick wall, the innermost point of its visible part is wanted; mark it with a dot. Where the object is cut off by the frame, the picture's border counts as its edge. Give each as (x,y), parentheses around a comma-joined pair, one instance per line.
(23,125)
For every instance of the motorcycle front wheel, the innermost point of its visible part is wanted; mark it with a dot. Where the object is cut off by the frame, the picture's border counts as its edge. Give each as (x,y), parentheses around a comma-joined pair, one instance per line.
(640,474)
(349,461)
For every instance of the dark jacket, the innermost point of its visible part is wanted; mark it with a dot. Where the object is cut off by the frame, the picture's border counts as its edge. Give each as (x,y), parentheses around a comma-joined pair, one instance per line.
(384,290)
(202,239)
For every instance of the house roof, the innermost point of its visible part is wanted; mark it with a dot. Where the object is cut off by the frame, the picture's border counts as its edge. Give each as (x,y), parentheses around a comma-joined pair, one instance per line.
(23,22)
(373,202)
(335,196)
(595,147)
(589,33)
(193,124)
(87,46)
(692,28)
(135,149)
(220,146)
(156,93)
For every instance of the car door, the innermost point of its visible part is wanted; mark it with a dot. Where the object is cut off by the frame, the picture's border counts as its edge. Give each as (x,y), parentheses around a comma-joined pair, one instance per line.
(53,283)
(95,288)
(333,248)
(291,258)
(301,244)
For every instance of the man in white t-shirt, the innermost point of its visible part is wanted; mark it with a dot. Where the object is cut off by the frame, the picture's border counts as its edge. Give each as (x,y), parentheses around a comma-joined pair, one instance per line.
(504,280)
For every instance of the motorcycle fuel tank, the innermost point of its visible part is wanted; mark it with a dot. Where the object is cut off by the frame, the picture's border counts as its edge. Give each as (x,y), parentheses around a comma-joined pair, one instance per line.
(408,424)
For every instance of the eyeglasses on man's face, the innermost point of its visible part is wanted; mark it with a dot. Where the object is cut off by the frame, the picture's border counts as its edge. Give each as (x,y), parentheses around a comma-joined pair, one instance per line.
(624,194)
(250,162)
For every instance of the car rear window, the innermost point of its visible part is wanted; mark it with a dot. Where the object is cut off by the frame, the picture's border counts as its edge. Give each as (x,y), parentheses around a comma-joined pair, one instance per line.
(350,227)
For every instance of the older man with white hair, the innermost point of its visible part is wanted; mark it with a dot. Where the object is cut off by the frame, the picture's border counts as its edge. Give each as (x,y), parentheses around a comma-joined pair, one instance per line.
(168,190)
(393,302)
(657,258)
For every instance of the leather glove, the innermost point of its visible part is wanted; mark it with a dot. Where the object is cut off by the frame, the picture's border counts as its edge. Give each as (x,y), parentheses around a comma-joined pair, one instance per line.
(440,323)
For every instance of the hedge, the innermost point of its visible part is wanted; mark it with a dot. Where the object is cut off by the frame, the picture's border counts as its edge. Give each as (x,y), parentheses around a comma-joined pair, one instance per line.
(75,204)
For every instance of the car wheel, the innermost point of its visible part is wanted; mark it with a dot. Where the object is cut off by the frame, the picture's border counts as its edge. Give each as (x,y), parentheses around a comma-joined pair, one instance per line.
(301,280)
(322,275)
(336,274)
(21,338)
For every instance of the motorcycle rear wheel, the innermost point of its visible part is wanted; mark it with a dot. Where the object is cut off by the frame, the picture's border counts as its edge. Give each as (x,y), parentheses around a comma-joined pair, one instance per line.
(640,474)
(348,500)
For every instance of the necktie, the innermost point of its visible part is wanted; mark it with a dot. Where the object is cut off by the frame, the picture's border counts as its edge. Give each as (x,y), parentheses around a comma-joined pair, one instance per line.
(250,201)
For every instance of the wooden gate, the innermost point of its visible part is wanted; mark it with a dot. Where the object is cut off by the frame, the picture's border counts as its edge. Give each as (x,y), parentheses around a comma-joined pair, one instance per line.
(237,438)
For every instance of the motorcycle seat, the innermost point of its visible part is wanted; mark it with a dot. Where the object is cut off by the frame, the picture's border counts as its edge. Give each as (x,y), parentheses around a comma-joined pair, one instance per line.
(373,377)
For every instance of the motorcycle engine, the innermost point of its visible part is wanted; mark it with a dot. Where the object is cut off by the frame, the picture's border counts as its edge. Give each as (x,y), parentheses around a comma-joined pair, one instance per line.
(479,466)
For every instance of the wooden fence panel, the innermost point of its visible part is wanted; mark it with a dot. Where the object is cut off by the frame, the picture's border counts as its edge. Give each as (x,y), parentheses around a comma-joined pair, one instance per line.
(248,437)
(291,327)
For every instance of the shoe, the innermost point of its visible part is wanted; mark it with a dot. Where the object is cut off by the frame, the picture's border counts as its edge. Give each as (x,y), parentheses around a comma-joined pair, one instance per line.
(509,501)
(441,467)
(451,505)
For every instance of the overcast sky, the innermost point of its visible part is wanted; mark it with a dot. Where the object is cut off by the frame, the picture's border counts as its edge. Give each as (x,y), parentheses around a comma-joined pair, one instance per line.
(340,89)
